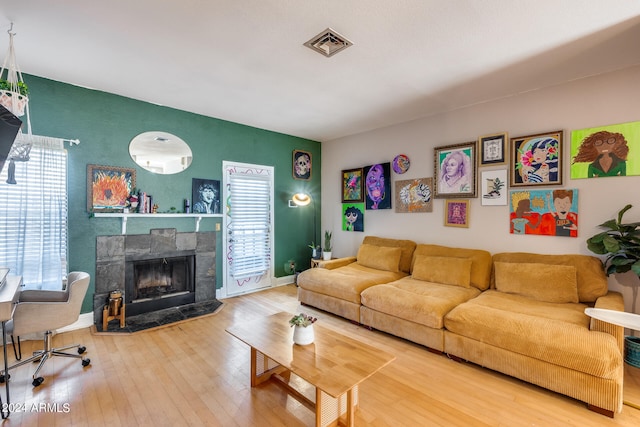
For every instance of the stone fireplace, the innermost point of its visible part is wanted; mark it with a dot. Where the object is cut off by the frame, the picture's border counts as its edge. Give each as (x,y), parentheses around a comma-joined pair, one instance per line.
(158,270)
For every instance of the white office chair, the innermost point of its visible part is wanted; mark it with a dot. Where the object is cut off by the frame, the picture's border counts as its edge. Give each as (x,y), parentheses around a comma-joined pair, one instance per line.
(39,310)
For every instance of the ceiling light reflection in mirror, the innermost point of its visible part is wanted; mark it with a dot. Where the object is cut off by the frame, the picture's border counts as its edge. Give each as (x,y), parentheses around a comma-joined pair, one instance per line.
(160,152)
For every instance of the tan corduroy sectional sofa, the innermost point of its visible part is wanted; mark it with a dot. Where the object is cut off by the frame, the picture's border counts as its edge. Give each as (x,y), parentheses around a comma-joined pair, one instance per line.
(517,313)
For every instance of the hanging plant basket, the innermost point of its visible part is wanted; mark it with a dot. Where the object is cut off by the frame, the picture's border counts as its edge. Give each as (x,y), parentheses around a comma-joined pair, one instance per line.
(14,102)
(13,90)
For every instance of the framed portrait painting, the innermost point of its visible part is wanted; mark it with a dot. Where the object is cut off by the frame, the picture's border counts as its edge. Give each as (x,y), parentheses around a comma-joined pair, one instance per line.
(604,151)
(352,190)
(456,213)
(108,187)
(205,195)
(455,170)
(544,212)
(536,159)
(301,164)
(377,182)
(353,216)
(493,149)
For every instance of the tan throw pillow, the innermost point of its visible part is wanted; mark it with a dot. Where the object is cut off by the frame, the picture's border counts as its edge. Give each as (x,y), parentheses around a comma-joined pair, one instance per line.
(445,270)
(379,257)
(543,282)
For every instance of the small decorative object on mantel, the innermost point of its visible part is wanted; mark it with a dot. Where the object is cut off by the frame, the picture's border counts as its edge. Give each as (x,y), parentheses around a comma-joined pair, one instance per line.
(326,250)
(302,328)
(13,90)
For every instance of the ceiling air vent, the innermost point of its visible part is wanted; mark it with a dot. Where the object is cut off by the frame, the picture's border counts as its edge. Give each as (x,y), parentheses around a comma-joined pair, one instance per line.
(328,42)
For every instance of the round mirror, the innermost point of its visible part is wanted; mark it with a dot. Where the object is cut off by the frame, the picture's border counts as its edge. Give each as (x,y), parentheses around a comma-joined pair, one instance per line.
(160,152)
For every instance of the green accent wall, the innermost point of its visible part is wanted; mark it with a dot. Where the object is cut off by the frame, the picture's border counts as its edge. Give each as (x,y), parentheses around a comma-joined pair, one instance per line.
(105,124)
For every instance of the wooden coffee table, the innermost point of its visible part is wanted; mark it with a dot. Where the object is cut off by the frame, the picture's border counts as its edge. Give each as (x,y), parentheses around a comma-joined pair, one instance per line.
(334,364)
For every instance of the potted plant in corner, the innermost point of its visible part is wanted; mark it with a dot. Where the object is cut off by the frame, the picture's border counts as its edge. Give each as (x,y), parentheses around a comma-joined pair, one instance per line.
(326,249)
(621,245)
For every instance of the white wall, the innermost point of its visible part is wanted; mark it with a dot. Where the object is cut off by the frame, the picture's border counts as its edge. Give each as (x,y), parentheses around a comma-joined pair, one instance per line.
(601,100)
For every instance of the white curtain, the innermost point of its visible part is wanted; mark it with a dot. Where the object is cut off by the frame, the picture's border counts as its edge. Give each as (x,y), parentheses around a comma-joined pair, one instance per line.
(33,215)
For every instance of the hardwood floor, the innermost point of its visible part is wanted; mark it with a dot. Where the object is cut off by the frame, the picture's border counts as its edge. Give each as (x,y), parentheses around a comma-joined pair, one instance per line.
(194,373)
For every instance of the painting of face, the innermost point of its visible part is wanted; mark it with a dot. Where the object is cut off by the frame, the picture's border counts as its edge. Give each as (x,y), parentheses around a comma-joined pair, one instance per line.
(378,186)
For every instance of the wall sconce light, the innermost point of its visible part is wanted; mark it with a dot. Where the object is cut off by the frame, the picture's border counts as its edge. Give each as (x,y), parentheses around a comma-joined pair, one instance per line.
(299,199)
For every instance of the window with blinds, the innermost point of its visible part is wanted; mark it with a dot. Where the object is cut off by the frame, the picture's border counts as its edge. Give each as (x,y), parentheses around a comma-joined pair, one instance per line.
(33,219)
(249,230)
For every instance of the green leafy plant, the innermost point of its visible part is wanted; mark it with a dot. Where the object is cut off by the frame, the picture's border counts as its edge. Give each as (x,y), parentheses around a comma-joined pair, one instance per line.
(23,89)
(302,320)
(327,241)
(620,242)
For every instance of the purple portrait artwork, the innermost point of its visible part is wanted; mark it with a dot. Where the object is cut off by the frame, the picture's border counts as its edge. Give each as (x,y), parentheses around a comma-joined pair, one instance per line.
(378,186)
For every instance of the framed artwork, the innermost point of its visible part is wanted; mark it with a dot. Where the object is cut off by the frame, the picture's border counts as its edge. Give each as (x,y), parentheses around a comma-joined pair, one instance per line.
(108,187)
(414,195)
(455,170)
(544,212)
(493,149)
(353,216)
(352,190)
(604,151)
(301,164)
(456,213)
(205,196)
(378,186)
(494,187)
(536,159)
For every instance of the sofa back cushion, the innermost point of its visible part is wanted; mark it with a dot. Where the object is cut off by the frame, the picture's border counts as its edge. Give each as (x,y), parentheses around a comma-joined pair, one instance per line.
(590,277)
(444,270)
(542,282)
(480,271)
(379,257)
(407,248)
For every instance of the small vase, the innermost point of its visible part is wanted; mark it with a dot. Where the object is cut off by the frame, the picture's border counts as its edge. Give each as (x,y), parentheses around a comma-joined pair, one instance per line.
(326,256)
(303,335)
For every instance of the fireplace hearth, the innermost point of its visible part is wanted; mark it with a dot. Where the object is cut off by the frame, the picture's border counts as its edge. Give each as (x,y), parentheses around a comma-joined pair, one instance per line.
(155,271)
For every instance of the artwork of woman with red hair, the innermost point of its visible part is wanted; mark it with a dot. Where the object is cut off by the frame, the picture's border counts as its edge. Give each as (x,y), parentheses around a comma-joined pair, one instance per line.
(607,152)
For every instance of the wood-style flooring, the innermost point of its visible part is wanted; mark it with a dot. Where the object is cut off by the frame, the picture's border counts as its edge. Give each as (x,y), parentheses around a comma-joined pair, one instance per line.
(195,374)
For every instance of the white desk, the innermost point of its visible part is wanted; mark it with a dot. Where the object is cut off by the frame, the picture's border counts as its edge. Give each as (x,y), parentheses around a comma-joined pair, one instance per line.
(9,295)
(620,318)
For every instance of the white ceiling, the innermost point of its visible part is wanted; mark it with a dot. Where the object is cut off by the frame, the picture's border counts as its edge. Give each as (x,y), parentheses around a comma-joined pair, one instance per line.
(244,60)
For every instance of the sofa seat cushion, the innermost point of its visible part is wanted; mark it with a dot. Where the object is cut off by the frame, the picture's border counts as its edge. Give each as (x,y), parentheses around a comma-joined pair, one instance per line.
(556,333)
(346,282)
(425,303)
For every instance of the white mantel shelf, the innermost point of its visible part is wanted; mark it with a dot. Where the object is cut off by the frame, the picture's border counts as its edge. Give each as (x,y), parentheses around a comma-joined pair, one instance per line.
(125,217)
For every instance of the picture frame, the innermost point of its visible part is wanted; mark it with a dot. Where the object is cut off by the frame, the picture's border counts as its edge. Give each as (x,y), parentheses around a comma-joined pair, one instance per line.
(544,212)
(352,186)
(461,181)
(377,186)
(301,165)
(414,195)
(456,213)
(536,160)
(494,187)
(108,187)
(205,196)
(493,149)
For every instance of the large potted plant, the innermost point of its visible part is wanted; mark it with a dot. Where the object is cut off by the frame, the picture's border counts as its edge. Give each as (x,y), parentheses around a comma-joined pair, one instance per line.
(620,243)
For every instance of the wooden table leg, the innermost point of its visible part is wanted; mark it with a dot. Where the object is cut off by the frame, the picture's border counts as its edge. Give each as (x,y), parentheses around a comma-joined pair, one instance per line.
(351,412)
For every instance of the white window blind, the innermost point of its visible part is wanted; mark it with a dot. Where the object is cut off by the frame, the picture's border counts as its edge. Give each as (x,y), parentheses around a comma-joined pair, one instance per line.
(33,217)
(249,229)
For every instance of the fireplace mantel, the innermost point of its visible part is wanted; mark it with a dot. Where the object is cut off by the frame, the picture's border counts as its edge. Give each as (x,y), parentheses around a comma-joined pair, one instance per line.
(125,216)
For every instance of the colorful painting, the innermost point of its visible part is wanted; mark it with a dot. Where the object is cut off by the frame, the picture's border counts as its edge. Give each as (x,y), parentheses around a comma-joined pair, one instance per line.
(606,151)
(353,216)
(455,170)
(401,164)
(414,195)
(108,187)
(378,186)
(494,187)
(536,159)
(301,164)
(352,186)
(544,212)
(456,213)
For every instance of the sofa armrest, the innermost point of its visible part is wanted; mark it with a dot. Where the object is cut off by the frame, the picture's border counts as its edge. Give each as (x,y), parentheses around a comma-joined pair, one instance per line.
(610,301)
(335,263)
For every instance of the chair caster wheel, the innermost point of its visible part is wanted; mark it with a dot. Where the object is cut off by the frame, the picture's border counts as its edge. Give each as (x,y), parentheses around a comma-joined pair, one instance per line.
(86,362)
(4,378)
(82,349)
(37,381)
